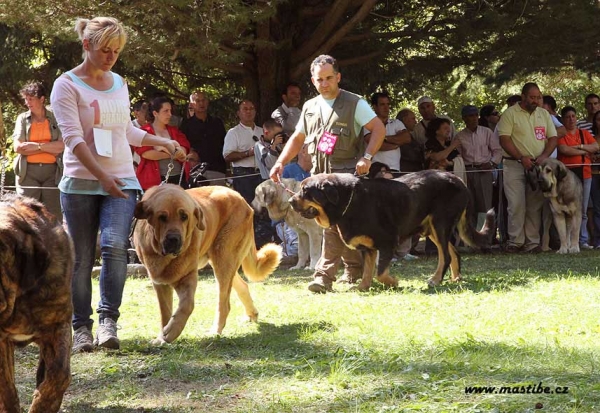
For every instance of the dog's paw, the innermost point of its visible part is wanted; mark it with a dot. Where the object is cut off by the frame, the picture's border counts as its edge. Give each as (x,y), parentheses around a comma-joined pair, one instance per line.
(363,288)
(297,267)
(433,283)
(562,250)
(574,250)
(158,341)
(250,318)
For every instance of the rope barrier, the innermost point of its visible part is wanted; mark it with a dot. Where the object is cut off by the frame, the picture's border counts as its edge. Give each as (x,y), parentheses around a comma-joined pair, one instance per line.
(257,174)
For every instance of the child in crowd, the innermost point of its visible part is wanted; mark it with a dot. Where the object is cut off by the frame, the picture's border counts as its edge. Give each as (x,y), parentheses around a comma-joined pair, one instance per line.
(300,169)
(268,147)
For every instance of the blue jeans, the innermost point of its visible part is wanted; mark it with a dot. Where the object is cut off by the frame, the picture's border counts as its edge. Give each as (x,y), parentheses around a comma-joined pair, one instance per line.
(583,233)
(84,216)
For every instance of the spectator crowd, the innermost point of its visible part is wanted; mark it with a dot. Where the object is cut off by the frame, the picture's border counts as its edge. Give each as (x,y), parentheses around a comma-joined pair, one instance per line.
(336,131)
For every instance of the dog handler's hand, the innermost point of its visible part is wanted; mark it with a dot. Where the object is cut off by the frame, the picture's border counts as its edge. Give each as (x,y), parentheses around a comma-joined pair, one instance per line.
(112,184)
(175,150)
(276,172)
(540,159)
(362,167)
(527,163)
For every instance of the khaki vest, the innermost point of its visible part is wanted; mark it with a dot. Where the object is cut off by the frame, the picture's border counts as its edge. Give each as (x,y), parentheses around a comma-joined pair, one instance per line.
(348,148)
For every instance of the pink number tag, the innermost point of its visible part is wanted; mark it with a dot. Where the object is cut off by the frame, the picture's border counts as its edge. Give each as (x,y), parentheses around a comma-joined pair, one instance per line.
(540,133)
(327,143)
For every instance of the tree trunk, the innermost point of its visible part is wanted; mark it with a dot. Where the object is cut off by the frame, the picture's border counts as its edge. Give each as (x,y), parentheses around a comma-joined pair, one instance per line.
(2,134)
(267,69)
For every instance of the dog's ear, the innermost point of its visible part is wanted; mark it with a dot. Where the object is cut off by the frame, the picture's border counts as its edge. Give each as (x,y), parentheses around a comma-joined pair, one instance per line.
(199,216)
(331,192)
(561,172)
(142,211)
(270,194)
(31,258)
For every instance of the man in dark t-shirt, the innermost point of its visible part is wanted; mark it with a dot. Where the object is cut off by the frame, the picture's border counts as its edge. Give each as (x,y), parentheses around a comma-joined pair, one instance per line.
(206,135)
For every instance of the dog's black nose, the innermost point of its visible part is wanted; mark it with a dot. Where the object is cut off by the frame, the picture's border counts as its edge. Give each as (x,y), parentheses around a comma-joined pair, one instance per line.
(294,202)
(172,244)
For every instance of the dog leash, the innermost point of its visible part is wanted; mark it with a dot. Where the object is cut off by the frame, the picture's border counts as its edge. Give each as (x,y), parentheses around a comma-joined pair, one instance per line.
(170,167)
(281,184)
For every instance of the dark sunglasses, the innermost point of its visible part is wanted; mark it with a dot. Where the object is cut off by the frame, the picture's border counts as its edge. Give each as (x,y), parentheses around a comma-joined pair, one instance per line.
(495,114)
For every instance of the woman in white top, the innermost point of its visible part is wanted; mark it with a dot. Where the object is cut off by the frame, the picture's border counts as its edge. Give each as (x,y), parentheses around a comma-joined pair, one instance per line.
(99,186)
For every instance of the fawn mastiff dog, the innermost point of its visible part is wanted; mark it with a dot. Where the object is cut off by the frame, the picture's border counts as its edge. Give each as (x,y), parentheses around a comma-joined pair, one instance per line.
(36,266)
(375,214)
(180,231)
(565,192)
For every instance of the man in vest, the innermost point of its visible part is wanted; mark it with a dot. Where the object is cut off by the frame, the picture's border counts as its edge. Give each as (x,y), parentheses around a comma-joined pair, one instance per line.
(335,115)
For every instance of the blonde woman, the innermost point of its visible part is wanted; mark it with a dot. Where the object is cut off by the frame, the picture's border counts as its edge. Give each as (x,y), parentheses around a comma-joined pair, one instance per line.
(99,187)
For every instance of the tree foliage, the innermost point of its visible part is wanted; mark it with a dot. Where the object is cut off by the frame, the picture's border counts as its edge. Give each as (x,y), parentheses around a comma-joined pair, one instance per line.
(234,48)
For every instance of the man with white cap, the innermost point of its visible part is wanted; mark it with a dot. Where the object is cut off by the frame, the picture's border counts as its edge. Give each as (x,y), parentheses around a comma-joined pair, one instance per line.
(481,151)
(427,111)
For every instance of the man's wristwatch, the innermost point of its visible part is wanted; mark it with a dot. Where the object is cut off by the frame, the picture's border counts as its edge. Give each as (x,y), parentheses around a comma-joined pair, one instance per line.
(368,156)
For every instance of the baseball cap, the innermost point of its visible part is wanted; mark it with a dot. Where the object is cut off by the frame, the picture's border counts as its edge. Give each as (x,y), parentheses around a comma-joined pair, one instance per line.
(424,99)
(469,110)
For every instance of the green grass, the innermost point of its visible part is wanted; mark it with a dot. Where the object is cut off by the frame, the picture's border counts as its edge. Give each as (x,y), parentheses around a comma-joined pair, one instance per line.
(516,320)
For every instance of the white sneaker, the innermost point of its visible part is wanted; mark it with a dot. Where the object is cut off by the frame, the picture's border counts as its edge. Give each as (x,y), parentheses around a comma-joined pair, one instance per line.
(106,335)
(585,246)
(410,257)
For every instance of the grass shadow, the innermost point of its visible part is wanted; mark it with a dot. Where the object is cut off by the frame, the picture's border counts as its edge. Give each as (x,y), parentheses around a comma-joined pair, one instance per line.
(498,271)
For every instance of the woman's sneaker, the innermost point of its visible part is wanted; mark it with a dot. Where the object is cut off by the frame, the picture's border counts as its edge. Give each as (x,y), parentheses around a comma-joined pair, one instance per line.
(106,335)
(83,342)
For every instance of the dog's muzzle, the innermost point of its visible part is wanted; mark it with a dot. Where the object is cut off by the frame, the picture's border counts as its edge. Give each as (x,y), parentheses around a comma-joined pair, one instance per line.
(172,244)
(545,186)
(310,212)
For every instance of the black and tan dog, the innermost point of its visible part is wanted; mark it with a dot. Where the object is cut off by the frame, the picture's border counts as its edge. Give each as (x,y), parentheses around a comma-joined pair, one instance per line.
(180,231)
(375,214)
(36,265)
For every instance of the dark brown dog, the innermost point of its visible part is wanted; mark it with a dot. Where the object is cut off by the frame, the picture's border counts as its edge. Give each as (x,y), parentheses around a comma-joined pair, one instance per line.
(36,266)
(181,231)
(375,214)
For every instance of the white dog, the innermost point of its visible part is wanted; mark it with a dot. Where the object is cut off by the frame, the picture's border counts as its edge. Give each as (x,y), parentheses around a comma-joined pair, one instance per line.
(310,236)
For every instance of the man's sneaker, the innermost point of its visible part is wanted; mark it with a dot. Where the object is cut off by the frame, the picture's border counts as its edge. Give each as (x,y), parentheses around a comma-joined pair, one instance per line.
(410,257)
(585,246)
(83,342)
(106,335)
(320,285)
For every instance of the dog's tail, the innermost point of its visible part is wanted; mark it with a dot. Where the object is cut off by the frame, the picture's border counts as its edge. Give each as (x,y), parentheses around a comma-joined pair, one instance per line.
(258,265)
(481,240)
